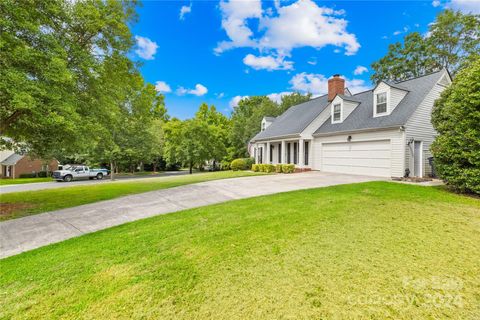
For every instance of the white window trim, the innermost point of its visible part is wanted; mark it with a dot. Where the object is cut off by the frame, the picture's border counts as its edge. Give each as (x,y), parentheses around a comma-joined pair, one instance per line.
(341,111)
(387,112)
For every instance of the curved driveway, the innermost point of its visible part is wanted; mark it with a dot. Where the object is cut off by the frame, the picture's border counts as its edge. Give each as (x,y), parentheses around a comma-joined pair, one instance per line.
(35,231)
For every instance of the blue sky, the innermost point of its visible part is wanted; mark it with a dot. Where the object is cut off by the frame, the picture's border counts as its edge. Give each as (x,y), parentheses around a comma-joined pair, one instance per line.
(217,52)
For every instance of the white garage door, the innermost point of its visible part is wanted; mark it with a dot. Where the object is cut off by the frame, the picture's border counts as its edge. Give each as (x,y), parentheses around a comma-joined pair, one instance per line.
(367,157)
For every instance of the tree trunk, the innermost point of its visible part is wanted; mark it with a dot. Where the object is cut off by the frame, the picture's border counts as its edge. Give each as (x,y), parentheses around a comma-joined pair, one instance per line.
(191,168)
(112,171)
(155,166)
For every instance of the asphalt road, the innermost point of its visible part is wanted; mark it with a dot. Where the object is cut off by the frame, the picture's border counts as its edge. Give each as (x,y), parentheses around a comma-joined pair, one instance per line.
(55,184)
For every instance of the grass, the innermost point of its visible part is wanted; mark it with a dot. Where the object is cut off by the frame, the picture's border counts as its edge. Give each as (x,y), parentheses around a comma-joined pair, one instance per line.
(4,182)
(363,251)
(20,204)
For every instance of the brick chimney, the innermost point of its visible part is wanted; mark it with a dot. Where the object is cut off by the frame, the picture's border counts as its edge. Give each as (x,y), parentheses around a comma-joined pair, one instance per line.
(336,85)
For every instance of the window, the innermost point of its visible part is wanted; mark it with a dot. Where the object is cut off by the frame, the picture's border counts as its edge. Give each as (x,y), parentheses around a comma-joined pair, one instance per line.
(381,106)
(263,126)
(260,155)
(337,112)
(279,153)
(305,148)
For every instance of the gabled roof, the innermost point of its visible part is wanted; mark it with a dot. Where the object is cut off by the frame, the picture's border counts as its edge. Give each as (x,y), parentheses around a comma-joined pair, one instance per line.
(12,160)
(269,118)
(362,117)
(294,120)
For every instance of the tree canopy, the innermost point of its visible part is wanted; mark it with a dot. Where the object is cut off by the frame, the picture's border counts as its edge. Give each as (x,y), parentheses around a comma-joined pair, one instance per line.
(452,40)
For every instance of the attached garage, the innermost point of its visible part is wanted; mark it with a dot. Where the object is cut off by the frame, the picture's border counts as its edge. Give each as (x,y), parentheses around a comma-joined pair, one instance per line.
(371,158)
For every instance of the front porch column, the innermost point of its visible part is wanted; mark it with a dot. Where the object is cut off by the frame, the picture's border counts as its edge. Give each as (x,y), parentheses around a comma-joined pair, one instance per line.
(301,153)
(284,153)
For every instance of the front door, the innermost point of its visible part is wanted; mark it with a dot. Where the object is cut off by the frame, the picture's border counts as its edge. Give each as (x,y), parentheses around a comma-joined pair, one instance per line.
(417,159)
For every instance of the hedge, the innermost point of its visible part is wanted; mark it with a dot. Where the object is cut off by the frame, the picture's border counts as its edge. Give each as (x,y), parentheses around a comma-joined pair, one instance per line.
(288,168)
(278,168)
(242,164)
(255,168)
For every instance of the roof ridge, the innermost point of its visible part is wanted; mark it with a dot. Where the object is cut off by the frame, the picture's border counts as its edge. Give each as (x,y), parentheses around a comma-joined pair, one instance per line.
(425,75)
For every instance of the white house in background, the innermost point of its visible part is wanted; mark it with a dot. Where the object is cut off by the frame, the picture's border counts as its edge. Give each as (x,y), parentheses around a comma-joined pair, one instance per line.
(380,132)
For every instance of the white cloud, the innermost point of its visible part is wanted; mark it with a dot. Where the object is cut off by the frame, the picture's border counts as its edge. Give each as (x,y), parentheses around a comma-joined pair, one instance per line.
(312,61)
(314,26)
(235,100)
(359,70)
(466,6)
(396,33)
(220,95)
(267,62)
(199,90)
(435,3)
(146,48)
(234,21)
(184,10)
(162,86)
(317,84)
(277,97)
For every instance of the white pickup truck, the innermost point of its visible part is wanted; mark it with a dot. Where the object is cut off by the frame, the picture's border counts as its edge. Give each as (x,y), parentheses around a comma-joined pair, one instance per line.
(78,172)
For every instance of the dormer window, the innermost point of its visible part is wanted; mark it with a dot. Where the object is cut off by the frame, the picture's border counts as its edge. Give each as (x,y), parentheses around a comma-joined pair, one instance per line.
(263,126)
(337,112)
(381,106)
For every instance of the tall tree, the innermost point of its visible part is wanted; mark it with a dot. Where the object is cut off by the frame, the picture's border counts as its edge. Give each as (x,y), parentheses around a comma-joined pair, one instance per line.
(453,39)
(52,54)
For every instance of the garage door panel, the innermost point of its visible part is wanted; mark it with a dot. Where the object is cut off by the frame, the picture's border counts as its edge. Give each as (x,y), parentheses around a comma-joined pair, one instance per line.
(364,157)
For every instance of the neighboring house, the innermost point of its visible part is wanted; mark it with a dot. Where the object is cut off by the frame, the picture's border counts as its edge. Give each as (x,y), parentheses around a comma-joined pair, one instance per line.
(379,132)
(13,165)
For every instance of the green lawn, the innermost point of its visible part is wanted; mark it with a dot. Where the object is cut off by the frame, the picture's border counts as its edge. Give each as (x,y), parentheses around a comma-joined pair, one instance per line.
(20,204)
(362,251)
(4,182)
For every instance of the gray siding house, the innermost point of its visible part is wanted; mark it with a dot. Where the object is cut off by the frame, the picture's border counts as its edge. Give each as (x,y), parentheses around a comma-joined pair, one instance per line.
(382,132)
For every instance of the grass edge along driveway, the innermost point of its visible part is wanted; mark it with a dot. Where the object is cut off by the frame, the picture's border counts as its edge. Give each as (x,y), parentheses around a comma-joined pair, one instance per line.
(20,204)
(371,250)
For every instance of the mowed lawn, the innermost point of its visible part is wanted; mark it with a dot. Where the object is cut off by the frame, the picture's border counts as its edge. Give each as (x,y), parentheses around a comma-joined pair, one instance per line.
(371,251)
(20,204)
(5,182)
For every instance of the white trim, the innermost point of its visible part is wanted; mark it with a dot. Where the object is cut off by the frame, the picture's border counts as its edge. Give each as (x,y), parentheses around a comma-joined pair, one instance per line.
(421,159)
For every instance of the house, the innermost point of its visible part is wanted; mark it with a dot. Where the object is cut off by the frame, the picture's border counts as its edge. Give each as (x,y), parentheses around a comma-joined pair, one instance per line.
(12,165)
(383,132)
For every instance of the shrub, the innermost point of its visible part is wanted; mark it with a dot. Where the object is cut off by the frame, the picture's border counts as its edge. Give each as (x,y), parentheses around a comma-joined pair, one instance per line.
(238,164)
(278,168)
(42,174)
(27,175)
(255,168)
(288,168)
(225,165)
(249,162)
(456,116)
(269,168)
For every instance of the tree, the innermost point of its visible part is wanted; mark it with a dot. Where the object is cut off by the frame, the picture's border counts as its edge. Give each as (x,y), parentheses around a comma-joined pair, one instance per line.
(453,39)
(187,142)
(456,117)
(52,55)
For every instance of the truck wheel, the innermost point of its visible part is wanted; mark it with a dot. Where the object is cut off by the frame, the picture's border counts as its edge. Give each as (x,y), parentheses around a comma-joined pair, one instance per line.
(68,178)
(99,176)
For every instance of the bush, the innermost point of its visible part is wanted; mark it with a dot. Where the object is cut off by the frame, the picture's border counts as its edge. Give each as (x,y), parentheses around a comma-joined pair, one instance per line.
(42,174)
(255,168)
(249,162)
(278,168)
(269,168)
(225,165)
(238,164)
(27,175)
(288,168)
(456,116)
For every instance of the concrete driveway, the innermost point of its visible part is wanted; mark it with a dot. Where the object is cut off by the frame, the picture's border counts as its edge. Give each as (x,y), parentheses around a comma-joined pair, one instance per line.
(35,231)
(55,184)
